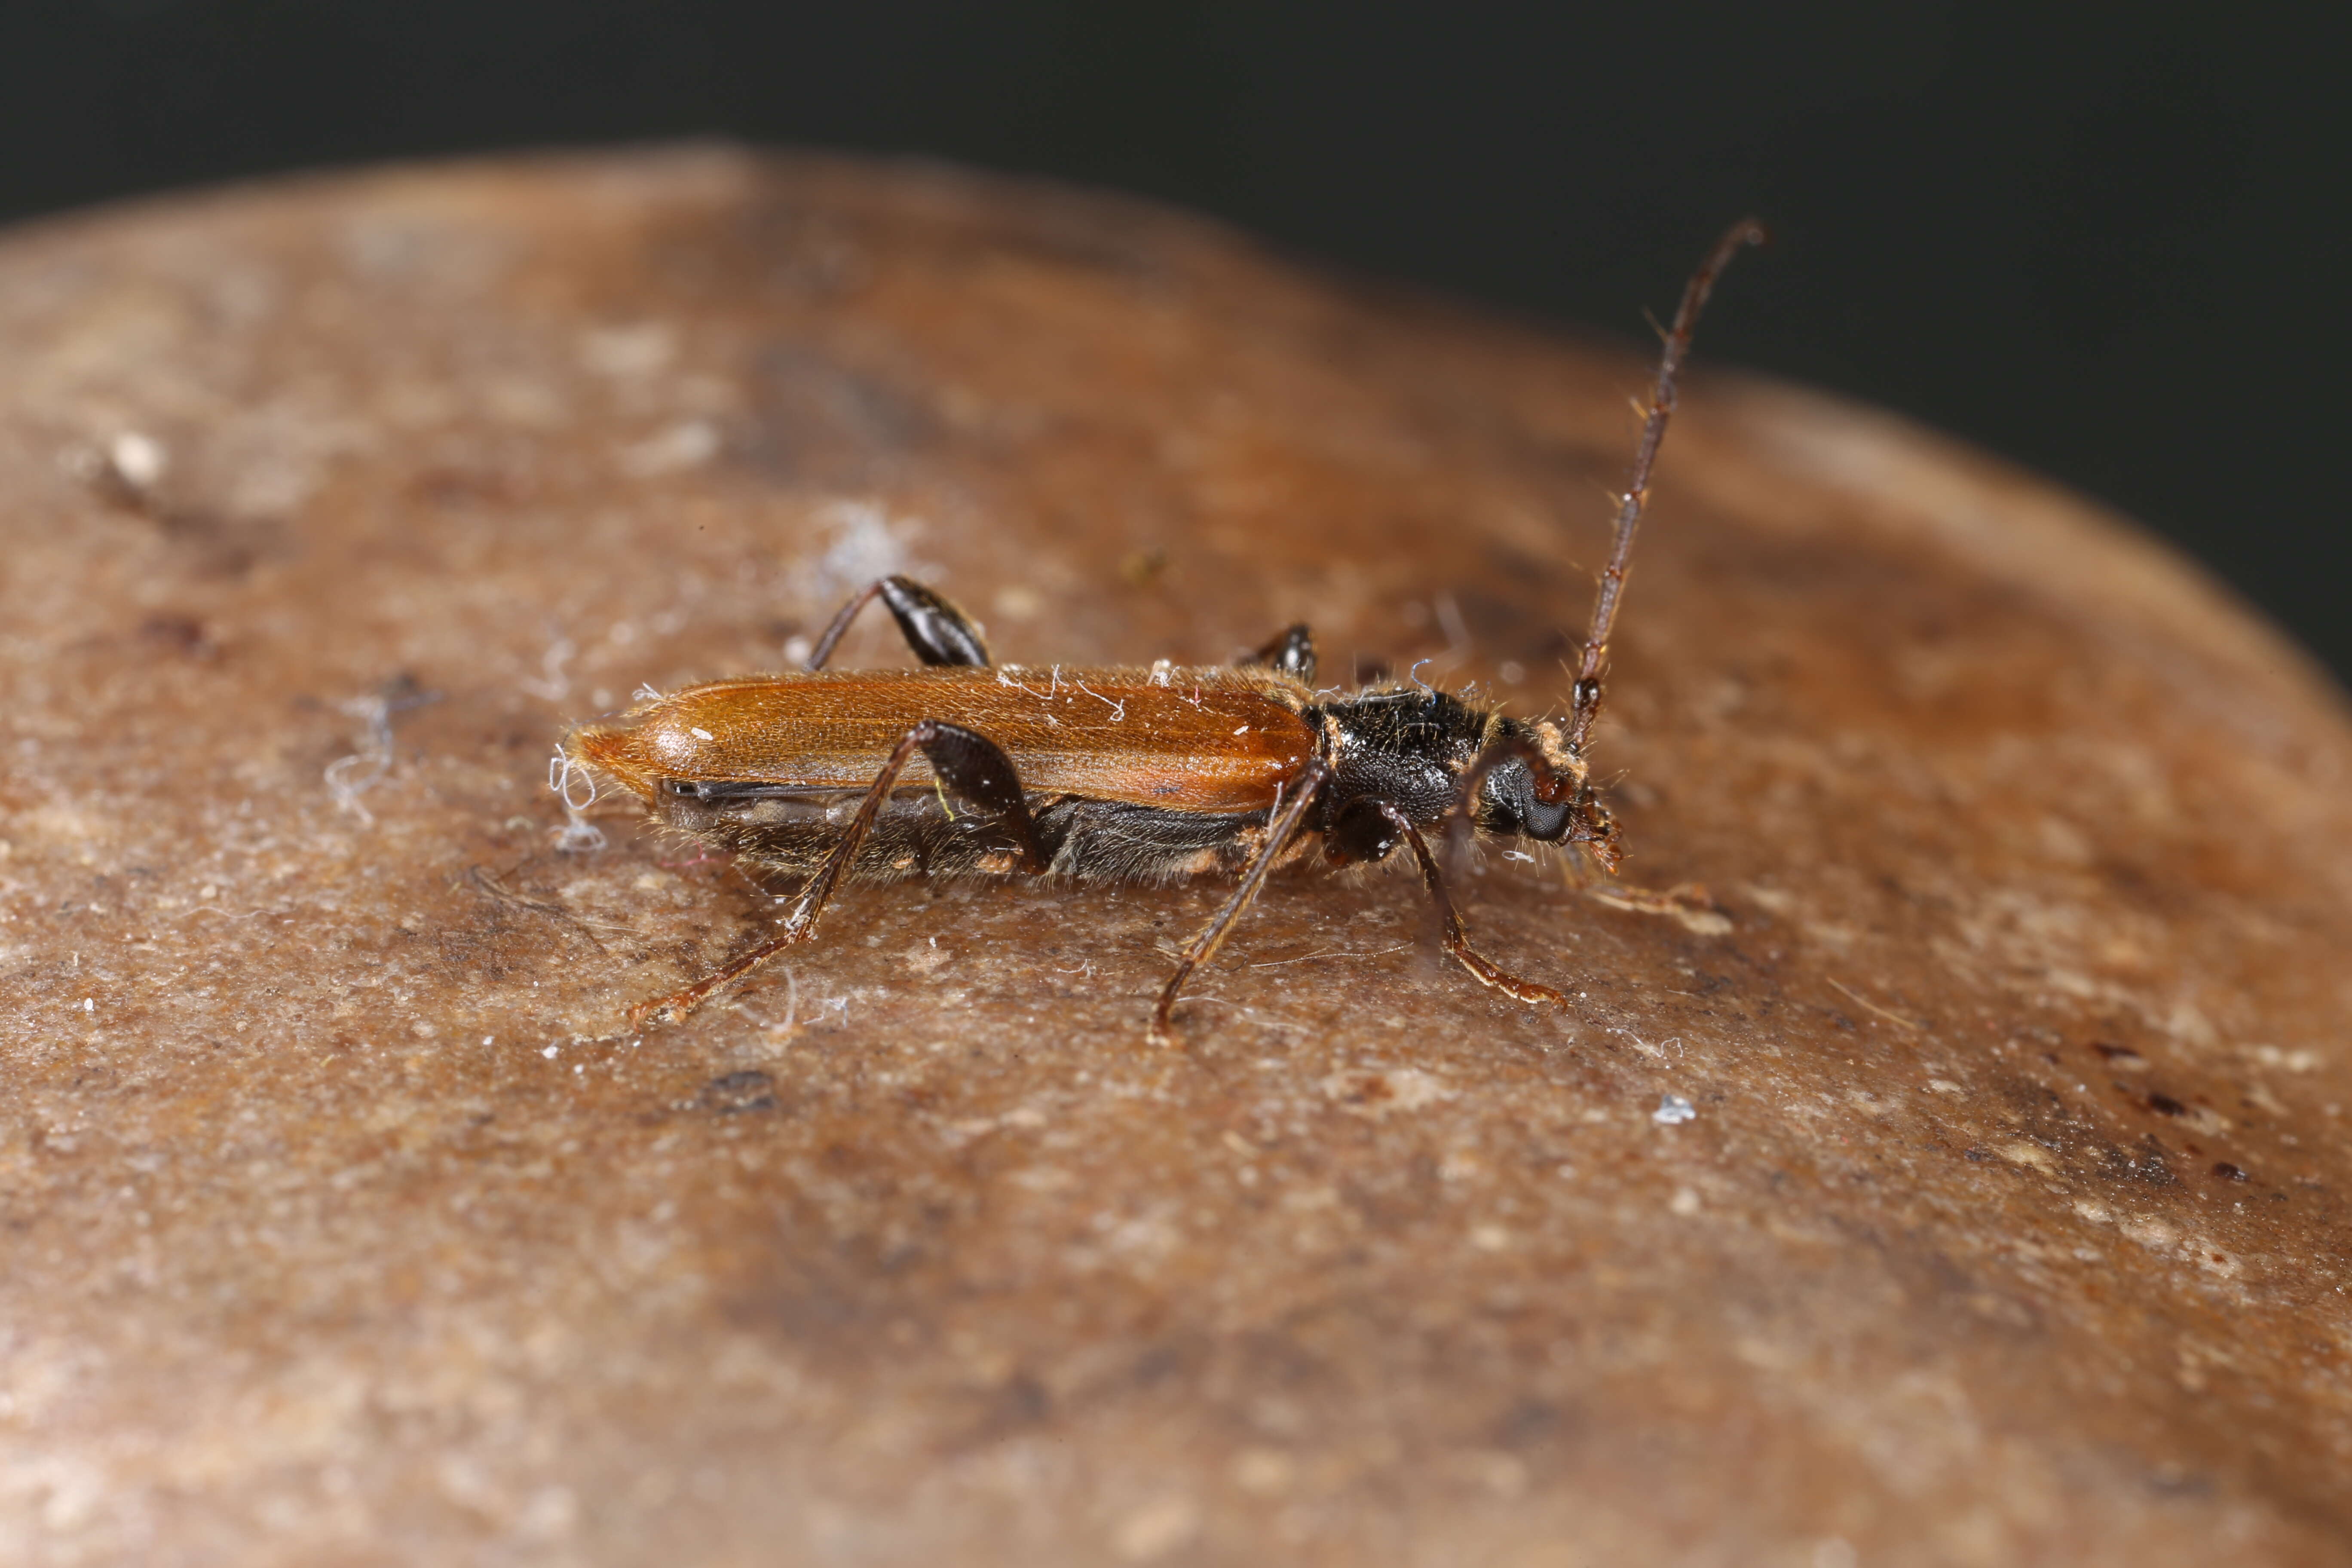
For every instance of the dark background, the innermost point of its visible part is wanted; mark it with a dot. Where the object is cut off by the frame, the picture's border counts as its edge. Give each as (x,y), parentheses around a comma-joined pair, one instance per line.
(2107,242)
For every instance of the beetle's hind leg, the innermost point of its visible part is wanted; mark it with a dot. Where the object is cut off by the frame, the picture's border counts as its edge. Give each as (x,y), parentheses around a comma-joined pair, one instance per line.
(1291,651)
(969,766)
(1454,940)
(935,630)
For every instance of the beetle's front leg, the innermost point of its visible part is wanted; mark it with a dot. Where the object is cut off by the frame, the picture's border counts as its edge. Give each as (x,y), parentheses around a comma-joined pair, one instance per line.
(1454,940)
(1687,902)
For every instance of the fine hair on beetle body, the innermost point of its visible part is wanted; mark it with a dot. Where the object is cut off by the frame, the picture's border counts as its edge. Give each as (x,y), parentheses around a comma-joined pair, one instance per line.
(1120,773)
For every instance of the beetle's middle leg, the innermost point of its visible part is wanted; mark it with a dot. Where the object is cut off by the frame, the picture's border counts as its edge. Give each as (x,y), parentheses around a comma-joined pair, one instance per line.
(968,766)
(1278,834)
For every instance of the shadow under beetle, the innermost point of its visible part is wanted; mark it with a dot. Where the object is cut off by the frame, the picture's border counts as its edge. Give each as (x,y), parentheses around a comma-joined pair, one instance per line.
(1118,773)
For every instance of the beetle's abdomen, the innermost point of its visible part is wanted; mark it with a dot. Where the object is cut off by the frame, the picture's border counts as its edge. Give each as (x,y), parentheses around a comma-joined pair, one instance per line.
(1215,741)
(914,835)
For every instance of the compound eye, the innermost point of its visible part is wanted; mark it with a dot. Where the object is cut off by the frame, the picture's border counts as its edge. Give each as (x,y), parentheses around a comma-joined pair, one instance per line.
(1546,823)
(1512,805)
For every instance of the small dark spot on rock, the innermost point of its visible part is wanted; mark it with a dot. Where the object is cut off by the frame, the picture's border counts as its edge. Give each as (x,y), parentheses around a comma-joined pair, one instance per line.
(2166,1105)
(1157,1364)
(1143,567)
(2174,1480)
(2121,1055)
(179,634)
(1977,1154)
(1528,1423)
(736,1093)
(1022,1401)
(2226,1171)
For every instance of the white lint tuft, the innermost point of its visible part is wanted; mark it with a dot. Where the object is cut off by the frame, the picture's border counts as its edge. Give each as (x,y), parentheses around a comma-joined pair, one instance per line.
(567,778)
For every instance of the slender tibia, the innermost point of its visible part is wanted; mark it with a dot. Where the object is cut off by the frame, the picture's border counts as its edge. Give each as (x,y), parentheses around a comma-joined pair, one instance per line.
(1279,833)
(1451,934)
(968,766)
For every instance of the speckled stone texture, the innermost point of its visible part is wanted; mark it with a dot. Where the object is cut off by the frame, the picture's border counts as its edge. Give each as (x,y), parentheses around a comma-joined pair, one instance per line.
(2006,1226)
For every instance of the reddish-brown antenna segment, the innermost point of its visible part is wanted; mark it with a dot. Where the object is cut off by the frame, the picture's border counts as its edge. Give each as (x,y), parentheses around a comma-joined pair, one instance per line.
(1746,232)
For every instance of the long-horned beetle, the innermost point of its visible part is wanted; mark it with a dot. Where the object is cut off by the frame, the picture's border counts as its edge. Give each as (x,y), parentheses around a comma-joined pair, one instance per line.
(1121,773)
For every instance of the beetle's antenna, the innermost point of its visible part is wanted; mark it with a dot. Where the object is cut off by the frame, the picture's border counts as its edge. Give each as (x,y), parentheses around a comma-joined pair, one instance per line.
(1746,232)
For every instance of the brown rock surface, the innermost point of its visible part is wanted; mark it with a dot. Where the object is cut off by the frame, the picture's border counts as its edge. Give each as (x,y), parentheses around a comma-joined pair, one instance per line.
(336,1228)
